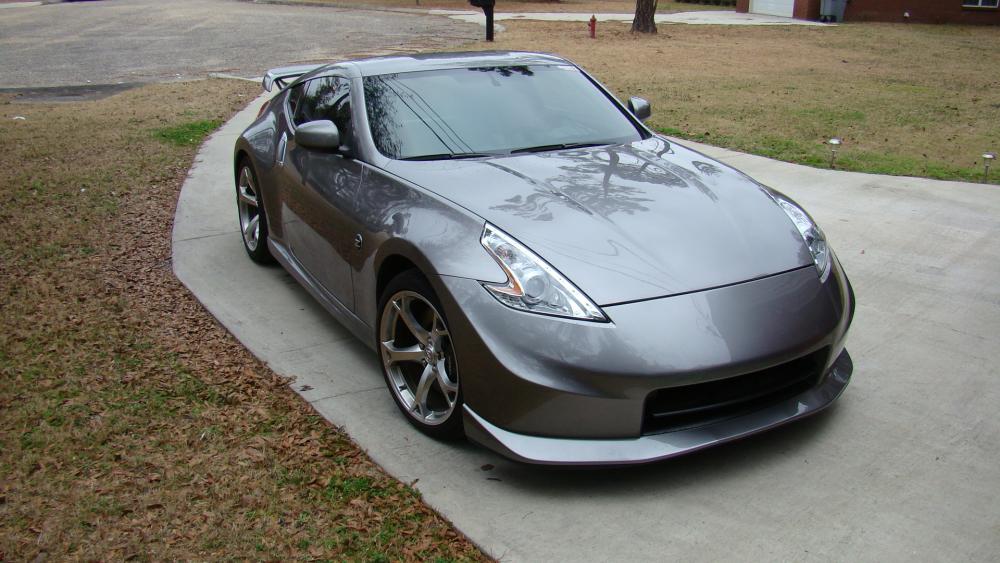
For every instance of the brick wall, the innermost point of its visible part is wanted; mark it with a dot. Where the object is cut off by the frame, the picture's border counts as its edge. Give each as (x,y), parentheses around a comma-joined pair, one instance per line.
(806,9)
(924,11)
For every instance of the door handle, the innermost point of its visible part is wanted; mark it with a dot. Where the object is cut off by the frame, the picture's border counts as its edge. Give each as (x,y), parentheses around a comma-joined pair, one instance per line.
(282,145)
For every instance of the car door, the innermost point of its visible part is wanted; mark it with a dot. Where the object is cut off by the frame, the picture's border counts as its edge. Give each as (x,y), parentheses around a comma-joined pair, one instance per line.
(321,191)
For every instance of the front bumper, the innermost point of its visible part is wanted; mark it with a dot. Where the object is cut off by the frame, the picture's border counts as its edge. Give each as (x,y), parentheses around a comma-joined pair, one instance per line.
(656,447)
(549,390)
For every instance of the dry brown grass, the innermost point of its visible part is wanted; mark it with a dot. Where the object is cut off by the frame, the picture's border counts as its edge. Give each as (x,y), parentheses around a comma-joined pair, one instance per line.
(907,99)
(131,424)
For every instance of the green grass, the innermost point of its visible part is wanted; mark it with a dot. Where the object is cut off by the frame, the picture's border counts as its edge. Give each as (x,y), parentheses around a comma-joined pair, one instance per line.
(818,155)
(187,134)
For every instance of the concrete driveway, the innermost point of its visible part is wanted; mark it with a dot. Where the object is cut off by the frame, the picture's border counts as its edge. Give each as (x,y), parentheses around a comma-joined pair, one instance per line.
(905,466)
(143,40)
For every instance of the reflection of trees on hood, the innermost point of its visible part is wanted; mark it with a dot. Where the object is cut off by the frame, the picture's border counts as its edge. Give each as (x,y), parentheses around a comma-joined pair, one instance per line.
(586,182)
(685,174)
(707,168)
(632,169)
(593,183)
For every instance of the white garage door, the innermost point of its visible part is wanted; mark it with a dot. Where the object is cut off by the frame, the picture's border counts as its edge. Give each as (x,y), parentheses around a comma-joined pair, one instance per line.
(772,7)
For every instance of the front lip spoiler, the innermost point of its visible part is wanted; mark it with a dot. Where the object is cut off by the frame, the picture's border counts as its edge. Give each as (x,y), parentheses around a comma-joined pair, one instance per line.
(647,449)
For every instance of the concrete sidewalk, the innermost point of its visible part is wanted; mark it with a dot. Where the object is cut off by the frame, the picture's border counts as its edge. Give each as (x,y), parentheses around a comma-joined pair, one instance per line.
(704,17)
(905,466)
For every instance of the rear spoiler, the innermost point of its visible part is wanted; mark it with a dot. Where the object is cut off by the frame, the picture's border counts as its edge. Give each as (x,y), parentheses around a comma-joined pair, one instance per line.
(281,76)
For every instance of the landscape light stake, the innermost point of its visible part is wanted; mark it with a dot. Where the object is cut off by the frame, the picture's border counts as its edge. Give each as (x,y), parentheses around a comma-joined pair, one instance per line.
(834,143)
(988,158)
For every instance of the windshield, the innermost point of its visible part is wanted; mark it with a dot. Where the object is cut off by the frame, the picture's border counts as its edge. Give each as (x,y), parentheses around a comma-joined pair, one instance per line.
(471,112)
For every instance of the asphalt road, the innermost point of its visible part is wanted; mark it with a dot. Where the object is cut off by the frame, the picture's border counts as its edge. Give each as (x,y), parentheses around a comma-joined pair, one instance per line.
(148,40)
(903,468)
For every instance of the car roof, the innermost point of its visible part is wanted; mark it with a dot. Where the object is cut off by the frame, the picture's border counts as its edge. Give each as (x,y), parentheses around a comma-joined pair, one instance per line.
(438,61)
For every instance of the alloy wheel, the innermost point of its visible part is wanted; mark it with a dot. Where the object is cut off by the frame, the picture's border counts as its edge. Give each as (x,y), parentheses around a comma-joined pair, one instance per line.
(418,358)
(248,202)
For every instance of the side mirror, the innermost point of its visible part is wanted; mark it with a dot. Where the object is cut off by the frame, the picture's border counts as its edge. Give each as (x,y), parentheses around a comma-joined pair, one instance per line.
(318,135)
(639,108)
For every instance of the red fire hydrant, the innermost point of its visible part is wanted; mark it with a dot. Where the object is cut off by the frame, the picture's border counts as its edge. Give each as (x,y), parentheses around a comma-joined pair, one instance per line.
(593,27)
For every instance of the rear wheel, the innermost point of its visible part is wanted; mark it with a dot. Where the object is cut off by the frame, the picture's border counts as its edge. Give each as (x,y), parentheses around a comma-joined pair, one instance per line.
(253,219)
(418,359)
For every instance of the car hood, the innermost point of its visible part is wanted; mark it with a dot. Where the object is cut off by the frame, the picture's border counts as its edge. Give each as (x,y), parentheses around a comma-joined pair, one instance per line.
(626,222)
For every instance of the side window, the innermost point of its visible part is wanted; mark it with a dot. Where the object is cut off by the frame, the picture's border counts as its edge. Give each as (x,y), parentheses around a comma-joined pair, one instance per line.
(310,101)
(328,98)
(294,99)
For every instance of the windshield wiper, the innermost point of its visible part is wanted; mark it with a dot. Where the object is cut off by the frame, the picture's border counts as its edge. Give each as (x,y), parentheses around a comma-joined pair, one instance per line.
(448,156)
(557,147)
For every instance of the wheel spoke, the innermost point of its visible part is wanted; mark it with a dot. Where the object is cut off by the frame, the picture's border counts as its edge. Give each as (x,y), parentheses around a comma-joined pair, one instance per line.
(423,388)
(395,355)
(448,387)
(246,196)
(246,191)
(403,307)
(250,231)
(438,331)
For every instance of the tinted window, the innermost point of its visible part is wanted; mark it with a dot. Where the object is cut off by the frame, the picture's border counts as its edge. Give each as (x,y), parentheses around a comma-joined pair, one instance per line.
(489,110)
(327,98)
(294,96)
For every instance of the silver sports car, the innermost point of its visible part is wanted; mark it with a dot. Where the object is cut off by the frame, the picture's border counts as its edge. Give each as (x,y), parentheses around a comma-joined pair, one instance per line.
(536,269)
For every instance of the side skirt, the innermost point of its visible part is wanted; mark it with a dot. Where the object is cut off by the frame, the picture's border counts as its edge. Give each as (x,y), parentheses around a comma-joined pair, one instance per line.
(333,305)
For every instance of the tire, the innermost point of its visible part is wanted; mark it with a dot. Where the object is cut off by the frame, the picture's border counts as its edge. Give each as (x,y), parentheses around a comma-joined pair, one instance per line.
(252,216)
(412,324)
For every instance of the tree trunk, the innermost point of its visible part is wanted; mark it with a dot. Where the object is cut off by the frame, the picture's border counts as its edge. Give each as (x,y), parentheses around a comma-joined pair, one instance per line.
(644,12)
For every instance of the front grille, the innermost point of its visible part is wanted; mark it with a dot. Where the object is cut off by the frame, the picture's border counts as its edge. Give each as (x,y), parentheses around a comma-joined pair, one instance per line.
(689,406)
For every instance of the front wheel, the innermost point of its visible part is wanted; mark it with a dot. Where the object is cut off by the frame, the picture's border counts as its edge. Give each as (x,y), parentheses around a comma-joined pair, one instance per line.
(418,358)
(253,220)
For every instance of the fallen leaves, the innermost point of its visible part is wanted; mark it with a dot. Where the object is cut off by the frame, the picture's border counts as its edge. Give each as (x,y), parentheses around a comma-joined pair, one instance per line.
(132,424)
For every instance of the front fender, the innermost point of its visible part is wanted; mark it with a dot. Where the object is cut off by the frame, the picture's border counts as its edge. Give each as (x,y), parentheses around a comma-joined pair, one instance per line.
(401,219)
(258,142)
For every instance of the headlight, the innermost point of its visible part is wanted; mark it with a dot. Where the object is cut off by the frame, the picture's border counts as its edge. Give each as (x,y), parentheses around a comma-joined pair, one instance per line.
(532,285)
(810,231)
